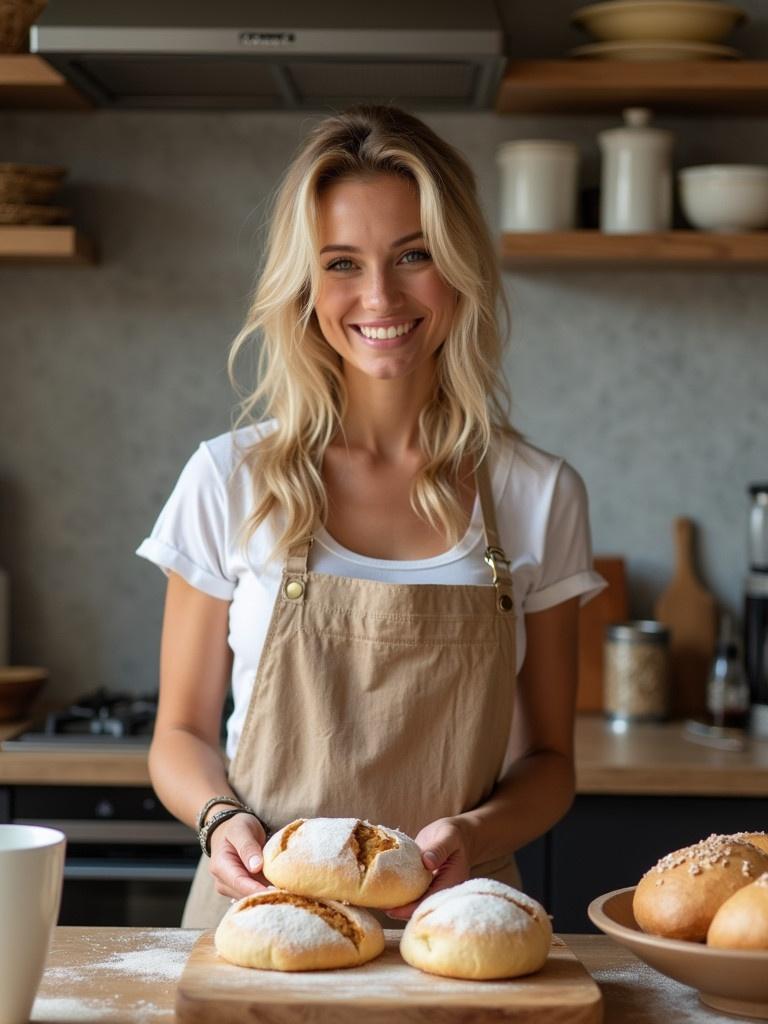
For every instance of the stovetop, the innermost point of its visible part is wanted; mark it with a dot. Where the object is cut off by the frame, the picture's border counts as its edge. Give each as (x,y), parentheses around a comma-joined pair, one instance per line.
(101,718)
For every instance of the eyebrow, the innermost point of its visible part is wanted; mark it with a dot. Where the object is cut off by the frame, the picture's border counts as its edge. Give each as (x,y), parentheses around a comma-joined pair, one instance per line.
(354,248)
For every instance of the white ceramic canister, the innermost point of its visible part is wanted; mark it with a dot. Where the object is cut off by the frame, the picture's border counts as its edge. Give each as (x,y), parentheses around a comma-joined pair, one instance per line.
(636,177)
(539,179)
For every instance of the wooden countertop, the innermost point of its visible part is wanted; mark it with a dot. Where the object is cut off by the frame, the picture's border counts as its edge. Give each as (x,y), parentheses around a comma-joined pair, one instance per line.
(646,760)
(122,975)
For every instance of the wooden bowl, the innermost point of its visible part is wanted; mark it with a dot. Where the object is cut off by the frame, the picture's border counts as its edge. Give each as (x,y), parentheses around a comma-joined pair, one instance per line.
(732,980)
(19,685)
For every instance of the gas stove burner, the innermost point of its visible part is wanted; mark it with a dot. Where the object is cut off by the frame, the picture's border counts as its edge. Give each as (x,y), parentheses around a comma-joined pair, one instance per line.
(105,713)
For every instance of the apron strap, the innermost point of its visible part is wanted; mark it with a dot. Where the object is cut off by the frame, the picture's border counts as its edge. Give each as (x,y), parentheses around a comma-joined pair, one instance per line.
(295,572)
(494,553)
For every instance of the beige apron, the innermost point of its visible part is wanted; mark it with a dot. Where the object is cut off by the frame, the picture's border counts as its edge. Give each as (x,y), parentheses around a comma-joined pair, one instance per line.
(384,701)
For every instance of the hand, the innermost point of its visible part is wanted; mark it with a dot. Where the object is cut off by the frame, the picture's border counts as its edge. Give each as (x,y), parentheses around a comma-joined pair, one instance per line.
(444,853)
(236,857)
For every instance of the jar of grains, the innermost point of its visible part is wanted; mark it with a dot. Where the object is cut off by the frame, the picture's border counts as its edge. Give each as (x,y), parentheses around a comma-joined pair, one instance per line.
(636,671)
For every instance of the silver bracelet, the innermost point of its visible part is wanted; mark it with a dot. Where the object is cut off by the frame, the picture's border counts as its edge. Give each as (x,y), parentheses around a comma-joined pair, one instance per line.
(226,799)
(205,833)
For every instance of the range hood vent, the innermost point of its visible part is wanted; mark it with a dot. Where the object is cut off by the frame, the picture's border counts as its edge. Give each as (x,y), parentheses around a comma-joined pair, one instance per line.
(236,55)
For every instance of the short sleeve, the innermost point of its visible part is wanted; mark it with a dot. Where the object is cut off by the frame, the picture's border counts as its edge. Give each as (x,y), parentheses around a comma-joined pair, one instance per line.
(191,533)
(566,569)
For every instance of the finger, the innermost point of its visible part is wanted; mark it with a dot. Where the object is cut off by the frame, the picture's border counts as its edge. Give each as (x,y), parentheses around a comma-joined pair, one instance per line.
(232,874)
(246,835)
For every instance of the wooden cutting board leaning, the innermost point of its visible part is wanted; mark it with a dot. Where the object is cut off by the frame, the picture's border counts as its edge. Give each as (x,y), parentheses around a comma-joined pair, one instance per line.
(384,991)
(690,612)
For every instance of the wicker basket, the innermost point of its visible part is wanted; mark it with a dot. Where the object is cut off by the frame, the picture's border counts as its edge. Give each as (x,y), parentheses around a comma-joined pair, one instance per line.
(18,213)
(42,171)
(15,18)
(15,189)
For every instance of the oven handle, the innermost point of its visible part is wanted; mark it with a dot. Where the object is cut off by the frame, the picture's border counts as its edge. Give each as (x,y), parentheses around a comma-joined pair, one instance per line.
(134,832)
(110,871)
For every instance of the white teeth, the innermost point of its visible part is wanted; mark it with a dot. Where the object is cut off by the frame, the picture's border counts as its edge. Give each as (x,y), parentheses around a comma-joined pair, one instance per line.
(380,333)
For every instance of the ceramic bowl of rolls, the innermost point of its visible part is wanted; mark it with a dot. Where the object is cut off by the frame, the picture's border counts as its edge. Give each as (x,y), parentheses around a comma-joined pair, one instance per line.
(700,916)
(328,874)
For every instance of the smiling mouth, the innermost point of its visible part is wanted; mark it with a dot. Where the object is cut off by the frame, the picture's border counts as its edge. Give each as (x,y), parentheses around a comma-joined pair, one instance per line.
(392,333)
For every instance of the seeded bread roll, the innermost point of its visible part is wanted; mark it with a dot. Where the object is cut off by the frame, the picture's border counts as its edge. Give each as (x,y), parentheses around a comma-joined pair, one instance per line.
(280,931)
(346,859)
(758,839)
(478,930)
(679,897)
(742,921)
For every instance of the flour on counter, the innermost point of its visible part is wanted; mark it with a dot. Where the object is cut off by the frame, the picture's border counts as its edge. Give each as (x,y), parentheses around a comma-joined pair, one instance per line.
(662,998)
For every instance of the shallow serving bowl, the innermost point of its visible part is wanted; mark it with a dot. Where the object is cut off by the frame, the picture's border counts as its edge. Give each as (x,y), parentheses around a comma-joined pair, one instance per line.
(725,197)
(694,21)
(19,685)
(727,979)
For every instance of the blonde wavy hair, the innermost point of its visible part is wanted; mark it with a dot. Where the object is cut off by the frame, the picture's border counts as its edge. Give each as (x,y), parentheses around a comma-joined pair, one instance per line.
(300,377)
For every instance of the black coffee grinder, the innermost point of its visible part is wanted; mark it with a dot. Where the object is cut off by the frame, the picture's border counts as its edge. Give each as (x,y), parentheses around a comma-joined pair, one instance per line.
(756,610)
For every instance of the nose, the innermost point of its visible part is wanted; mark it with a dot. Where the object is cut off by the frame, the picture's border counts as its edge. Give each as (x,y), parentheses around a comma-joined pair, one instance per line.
(381,292)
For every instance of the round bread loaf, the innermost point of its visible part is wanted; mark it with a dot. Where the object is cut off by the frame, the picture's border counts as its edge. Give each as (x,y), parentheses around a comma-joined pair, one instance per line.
(480,929)
(680,895)
(758,839)
(346,859)
(280,931)
(742,921)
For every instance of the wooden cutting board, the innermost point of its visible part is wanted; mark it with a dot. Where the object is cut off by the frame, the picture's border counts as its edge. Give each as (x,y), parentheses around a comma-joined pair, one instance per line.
(384,991)
(690,612)
(610,605)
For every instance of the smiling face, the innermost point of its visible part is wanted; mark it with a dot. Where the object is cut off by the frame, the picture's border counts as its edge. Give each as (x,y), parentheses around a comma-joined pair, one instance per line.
(382,305)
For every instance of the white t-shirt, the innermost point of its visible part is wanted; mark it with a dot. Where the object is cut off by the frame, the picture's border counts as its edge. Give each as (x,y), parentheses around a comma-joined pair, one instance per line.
(541,509)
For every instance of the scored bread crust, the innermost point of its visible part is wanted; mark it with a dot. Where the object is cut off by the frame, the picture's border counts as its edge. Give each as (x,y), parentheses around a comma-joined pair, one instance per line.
(680,895)
(742,921)
(480,929)
(346,859)
(281,931)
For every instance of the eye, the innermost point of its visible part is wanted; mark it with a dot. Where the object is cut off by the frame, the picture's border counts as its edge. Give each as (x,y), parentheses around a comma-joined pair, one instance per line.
(336,264)
(420,255)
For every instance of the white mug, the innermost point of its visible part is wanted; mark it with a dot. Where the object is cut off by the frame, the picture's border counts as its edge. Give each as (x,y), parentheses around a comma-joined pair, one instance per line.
(31,872)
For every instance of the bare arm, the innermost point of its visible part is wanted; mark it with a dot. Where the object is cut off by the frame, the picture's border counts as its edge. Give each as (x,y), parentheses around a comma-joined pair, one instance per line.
(538,786)
(185,761)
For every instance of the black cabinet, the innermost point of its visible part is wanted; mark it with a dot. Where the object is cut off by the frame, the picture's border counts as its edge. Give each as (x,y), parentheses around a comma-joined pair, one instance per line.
(608,842)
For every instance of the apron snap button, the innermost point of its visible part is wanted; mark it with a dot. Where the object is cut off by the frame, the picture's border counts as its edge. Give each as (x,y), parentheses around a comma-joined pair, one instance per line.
(506,603)
(294,589)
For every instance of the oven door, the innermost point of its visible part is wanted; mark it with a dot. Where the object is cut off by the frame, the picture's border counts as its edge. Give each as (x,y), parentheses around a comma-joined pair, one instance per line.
(120,870)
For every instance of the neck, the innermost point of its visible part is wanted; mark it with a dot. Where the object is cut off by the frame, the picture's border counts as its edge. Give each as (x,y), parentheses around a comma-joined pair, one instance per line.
(382,415)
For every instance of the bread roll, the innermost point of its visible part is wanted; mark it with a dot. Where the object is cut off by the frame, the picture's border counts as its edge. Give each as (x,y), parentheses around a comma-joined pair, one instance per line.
(679,897)
(280,931)
(758,839)
(742,921)
(346,859)
(477,930)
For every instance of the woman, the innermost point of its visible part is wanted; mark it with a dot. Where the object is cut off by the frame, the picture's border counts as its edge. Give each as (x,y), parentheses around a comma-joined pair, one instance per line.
(370,563)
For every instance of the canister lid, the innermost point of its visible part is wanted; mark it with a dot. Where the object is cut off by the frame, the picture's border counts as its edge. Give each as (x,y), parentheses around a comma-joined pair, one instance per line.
(638,631)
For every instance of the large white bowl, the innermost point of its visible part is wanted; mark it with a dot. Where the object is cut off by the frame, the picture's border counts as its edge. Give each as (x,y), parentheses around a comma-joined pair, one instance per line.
(725,197)
(727,979)
(694,21)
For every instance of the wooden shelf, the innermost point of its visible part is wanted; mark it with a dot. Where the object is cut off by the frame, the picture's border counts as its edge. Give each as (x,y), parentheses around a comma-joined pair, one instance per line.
(597,86)
(589,249)
(29,82)
(58,243)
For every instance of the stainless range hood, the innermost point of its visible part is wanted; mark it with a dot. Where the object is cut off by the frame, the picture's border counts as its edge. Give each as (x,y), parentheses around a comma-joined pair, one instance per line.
(286,54)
